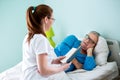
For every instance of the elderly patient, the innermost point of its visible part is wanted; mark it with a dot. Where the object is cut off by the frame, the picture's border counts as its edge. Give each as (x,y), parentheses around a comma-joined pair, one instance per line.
(84,58)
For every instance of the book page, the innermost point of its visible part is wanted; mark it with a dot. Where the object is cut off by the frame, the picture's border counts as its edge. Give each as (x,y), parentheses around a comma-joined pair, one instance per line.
(68,55)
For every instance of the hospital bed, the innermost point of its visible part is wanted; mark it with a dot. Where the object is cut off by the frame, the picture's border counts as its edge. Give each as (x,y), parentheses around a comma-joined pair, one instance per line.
(108,71)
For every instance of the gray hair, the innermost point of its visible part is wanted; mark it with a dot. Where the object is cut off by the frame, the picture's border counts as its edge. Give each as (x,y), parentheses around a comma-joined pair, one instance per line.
(95,33)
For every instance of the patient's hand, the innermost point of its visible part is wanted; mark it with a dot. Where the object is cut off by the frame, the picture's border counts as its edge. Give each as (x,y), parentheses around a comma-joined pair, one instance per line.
(77,64)
(89,51)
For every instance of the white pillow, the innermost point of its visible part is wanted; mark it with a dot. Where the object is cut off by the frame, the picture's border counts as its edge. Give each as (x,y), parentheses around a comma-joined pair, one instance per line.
(101,51)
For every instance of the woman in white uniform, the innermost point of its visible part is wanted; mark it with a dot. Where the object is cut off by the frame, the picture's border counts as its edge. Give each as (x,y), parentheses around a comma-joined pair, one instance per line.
(39,59)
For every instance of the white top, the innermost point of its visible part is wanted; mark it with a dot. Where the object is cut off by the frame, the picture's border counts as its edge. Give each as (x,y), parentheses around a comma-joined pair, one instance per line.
(38,45)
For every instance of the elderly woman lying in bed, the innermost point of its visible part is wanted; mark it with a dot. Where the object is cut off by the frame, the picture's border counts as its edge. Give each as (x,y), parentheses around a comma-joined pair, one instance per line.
(84,58)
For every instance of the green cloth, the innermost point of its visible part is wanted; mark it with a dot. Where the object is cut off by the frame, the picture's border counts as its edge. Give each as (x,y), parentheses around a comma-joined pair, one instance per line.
(50,34)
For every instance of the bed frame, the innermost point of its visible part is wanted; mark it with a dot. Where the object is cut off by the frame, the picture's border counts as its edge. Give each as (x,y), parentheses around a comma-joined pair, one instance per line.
(115,51)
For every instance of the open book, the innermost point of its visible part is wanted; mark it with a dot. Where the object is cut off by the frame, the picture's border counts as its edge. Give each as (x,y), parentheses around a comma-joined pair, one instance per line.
(70,55)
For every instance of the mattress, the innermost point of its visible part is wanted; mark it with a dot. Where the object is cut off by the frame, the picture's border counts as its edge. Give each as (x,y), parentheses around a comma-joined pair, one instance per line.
(105,72)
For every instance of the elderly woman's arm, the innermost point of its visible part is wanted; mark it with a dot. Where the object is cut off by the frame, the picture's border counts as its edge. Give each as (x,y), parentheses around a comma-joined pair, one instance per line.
(89,63)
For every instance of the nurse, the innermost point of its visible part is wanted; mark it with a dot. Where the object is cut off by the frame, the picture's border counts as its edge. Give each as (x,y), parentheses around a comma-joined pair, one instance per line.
(39,60)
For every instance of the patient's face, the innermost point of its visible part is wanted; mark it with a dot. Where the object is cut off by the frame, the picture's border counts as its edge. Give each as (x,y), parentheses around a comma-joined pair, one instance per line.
(89,41)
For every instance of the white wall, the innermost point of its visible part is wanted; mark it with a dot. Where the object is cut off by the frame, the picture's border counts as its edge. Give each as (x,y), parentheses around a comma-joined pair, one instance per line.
(13,30)
(72,17)
(81,16)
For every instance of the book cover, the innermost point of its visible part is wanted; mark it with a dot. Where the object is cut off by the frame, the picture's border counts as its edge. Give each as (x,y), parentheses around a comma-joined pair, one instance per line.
(70,55)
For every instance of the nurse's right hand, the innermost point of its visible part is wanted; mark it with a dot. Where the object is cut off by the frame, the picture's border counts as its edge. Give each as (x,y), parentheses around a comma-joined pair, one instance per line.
(65,66)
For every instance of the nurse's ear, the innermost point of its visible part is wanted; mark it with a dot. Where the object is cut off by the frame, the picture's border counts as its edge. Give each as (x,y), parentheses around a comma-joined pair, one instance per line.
(46,20)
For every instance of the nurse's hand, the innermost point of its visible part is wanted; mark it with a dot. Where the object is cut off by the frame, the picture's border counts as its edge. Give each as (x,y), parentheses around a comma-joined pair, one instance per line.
(57,60)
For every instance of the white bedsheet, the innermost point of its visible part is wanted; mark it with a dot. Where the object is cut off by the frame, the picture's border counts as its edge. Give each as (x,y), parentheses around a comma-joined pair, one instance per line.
(105,72)
(13,73)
